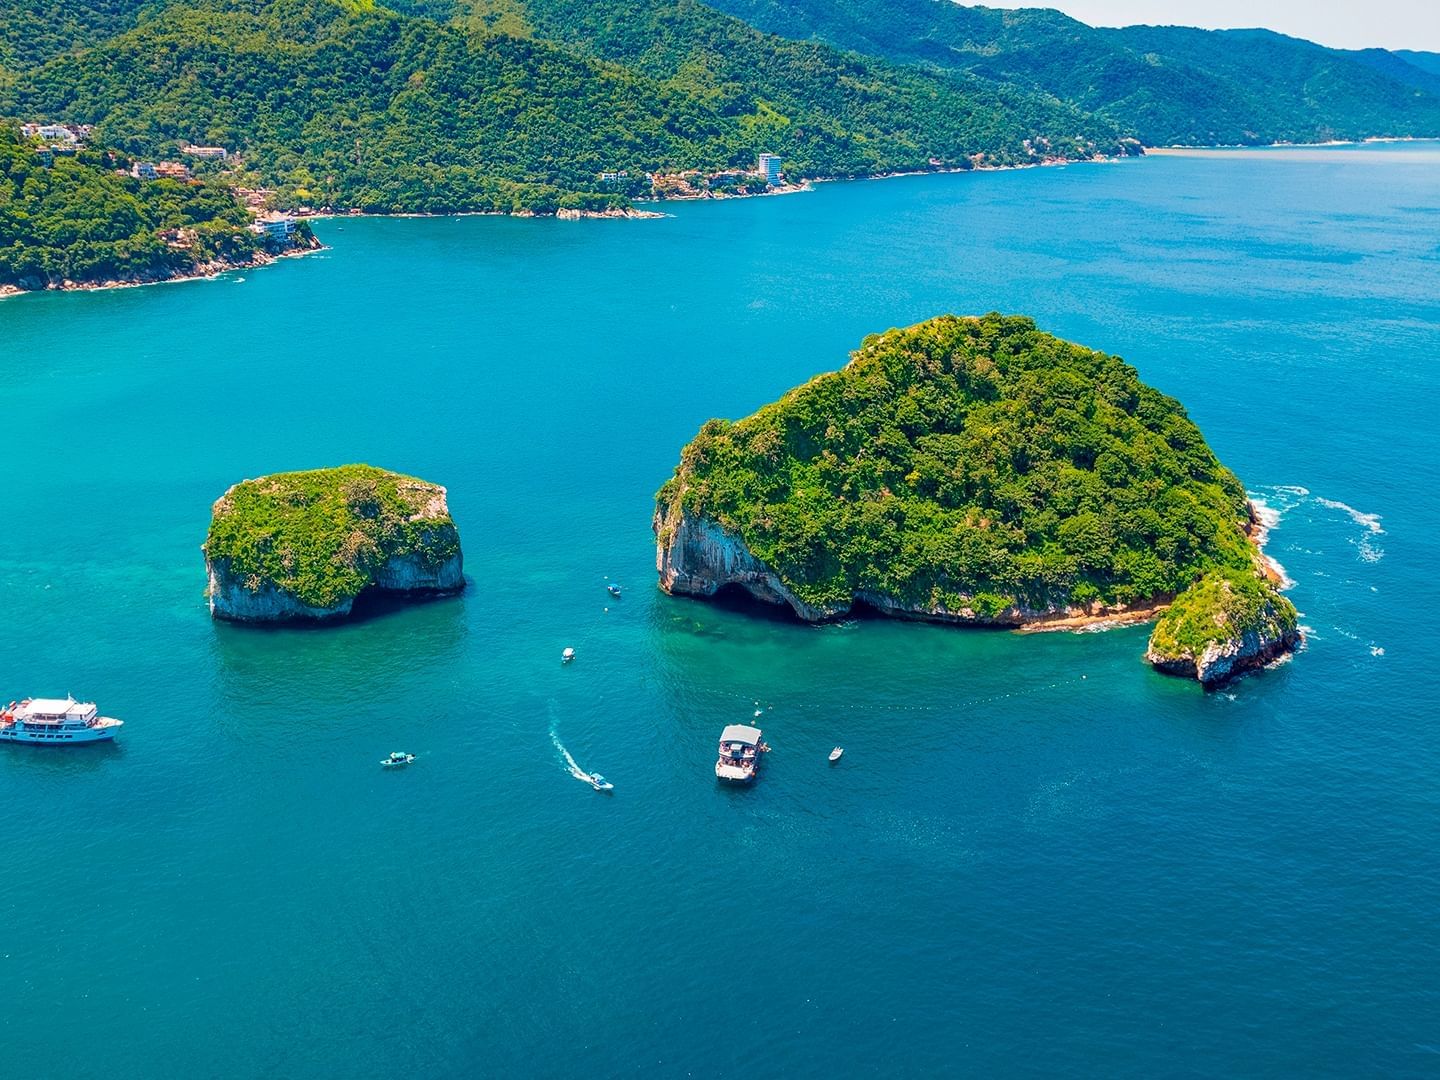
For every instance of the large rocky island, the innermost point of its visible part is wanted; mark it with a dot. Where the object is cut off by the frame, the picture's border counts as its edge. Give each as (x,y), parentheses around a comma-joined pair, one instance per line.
(305,545)
(974,471)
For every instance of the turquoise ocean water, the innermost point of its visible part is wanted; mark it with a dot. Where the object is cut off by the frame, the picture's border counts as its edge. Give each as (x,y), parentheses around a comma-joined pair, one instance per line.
(1037,857)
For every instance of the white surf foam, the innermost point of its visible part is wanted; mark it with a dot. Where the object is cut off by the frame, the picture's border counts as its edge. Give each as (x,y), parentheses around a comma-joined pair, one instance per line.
(1269,517)
(1369,521)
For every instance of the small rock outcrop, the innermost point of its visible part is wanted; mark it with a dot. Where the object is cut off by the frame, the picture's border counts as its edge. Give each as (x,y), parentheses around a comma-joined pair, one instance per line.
(304,545)
(1227,623)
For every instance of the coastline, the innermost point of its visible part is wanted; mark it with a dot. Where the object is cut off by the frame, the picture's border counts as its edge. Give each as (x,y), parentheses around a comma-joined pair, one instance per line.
(202,272)
(632,213)
(627,214)
(1183,148)
(639,212)
(1268,568)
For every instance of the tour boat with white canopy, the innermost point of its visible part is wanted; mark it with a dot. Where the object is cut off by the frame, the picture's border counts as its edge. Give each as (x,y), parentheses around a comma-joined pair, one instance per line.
(56,722)
(740,750)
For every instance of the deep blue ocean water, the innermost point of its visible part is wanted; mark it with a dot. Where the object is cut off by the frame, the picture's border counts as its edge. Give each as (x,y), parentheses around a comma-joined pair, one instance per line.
(1037,856)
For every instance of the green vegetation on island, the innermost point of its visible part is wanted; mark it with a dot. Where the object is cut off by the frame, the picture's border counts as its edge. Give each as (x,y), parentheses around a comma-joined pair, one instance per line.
(305,544)
(1228,622)
(973,468)
(74,217)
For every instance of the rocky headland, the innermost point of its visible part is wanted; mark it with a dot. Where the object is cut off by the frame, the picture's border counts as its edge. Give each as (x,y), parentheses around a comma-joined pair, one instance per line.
(304,545)
(206,268)
(1227,623)
(970,471)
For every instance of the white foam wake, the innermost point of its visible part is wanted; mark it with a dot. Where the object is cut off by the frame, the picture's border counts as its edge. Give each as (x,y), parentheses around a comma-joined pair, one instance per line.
(1366,547)
(571,765)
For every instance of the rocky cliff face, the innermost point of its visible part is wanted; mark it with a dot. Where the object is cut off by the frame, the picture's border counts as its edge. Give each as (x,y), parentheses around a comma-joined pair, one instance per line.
(249,598)
(304,546)
(1223,626)
(698,557)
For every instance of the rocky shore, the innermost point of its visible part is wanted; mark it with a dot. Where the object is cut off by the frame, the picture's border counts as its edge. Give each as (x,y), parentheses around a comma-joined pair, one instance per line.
(697,557)
(1227,624)
(199,272)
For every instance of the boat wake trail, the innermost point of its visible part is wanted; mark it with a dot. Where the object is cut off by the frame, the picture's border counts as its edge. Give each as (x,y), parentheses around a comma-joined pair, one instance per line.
(571,765)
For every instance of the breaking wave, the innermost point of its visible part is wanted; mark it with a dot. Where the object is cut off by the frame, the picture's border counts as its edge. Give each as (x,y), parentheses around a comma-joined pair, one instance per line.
(1269,517)
(1274,502)
(1370,521)
(1366,548)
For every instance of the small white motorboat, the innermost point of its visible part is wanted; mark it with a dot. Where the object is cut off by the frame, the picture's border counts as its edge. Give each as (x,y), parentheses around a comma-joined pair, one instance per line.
(835,754)
(613,590)
(567,656)
(397,760)
(599,783)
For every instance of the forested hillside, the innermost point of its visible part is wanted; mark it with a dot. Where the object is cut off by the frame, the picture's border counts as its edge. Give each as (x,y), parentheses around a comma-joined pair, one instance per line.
(1163,84)
(357,105)
(522,105)
(968,463)
(33,31)
(77,219)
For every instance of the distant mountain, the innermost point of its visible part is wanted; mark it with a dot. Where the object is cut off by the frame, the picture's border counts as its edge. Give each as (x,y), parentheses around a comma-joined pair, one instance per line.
(520,107)
(1397,67)
(444,105)
(1425,61)
(1164,84)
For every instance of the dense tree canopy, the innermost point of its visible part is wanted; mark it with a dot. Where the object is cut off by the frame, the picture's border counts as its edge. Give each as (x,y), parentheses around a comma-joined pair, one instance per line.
(970,462)
(354,105)
(324,534)
(77,218)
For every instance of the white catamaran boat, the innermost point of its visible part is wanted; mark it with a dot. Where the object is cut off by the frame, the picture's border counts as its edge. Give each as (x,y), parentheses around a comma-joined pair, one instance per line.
(56,721)
(740,750)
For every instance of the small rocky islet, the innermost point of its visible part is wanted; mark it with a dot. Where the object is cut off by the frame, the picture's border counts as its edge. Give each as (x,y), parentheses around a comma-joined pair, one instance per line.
(302,546)
(980,471)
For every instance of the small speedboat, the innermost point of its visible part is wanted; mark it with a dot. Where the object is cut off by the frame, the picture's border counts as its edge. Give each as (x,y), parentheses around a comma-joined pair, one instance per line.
(613,590)
(397,760)
(567,656)
(835,754)
(599,783)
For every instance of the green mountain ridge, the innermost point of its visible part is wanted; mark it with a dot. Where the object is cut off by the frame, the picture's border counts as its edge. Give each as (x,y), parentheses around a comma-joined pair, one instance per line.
(356,105)
(1425,61)
(527,105)
(1163,84)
